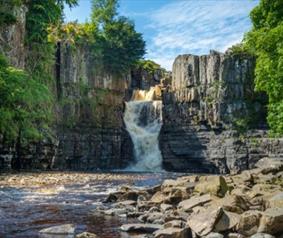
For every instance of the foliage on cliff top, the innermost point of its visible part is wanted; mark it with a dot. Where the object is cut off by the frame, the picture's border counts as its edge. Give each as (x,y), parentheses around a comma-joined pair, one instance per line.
(150,66)
(25,104)
(265,40)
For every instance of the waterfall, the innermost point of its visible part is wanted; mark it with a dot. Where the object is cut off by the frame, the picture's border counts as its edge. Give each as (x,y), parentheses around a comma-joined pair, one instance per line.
(143,119)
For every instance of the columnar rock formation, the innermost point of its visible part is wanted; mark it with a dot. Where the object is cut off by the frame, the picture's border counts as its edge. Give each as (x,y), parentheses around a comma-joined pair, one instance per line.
(211,96)
(91,103)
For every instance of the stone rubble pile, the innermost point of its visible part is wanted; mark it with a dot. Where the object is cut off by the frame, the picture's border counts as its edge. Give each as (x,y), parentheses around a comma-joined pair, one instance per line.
(249,204)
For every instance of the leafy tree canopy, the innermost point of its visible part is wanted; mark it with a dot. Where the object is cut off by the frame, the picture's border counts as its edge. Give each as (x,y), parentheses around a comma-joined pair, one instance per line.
(25,105)
(265,40)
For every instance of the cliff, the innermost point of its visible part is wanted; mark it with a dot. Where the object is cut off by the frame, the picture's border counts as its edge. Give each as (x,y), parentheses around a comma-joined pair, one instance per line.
(213,121)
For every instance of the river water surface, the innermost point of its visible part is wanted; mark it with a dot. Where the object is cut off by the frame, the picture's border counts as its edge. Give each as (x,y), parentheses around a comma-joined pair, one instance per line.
(30,202)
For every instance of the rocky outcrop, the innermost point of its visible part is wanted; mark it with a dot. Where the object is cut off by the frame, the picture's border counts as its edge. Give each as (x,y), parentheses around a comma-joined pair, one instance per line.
(205,112)
(12,37)
(90,123)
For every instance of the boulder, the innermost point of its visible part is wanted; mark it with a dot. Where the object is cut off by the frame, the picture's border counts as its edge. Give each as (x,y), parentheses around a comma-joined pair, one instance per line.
(67,229)
(271,221)
(235,235)
(249,223)
(227,221)
(235,203)
(158,197)
(175,223)
(203,223)
(276,201)
(215,185)
(214,235)
(270,165)
(188,204)
(172,232)
(165,207)
(86,235)
(262,235)
(140,227)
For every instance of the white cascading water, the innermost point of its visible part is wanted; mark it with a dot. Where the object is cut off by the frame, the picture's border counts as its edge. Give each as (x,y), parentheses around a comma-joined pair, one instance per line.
(143,119)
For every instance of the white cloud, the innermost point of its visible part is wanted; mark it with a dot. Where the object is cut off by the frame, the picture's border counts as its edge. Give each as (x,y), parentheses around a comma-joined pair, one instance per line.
(196,26)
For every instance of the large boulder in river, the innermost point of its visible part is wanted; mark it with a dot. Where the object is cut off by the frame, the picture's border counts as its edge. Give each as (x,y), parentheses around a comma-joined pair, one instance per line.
(215,185)
(66,230)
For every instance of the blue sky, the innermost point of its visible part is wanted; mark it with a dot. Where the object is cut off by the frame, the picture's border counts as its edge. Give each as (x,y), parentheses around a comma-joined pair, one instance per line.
(173,27)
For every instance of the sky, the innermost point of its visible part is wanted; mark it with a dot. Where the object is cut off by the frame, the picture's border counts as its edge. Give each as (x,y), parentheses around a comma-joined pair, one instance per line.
(174,27)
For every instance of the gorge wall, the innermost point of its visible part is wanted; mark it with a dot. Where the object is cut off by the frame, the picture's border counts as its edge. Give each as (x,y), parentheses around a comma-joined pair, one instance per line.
(213,121)
(207,113)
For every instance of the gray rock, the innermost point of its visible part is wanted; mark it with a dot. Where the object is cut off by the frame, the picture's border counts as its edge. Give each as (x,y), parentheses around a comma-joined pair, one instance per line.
(203,223)
(214,235)
(262,235)
(67,229)
(86,235)
(140,227)
(188,204)
(172,233)
(271,221)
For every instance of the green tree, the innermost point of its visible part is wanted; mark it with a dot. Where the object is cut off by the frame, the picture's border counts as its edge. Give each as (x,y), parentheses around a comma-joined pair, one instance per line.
(121,46)
(25,105)
(104,11)
(265,40)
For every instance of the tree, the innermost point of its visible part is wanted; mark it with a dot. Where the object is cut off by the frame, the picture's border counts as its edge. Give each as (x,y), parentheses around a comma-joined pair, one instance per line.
(25,105)
(265,40)
(121,46)
(104,11)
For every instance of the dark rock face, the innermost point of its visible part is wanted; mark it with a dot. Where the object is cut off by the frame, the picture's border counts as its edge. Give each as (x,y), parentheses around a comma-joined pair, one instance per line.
(90,130)
(208,95)
(12,37)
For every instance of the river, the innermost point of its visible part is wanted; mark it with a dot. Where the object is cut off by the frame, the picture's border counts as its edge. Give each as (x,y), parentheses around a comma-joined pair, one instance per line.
(30,202)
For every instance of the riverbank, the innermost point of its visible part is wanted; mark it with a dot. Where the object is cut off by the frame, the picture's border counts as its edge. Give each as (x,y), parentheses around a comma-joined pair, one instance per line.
(249,204)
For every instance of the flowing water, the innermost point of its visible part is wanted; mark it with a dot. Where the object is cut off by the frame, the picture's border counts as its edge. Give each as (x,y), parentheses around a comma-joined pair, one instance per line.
(33,201)
(143,119)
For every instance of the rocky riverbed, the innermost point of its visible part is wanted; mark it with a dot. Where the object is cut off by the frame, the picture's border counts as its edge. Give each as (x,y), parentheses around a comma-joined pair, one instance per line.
(249,204)
(161,205)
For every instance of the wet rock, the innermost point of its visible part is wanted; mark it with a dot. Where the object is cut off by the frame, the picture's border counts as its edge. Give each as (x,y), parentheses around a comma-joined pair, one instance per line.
(140,227)
(172,232)
(215,185)
(271,221)
(203,223)
(86,235)
(214,235)
(67,229)
(262,235)
(188,204)
(249,222)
